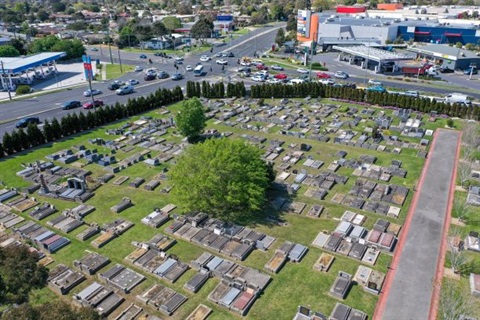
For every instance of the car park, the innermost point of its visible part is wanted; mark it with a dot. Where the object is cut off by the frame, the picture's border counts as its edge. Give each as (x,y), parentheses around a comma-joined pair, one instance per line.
(204,58)
(94,104)
(132,82)
(277,67)
(93,92)
(189,68)
(177,76)
(375,82)
(137,69)
(323,75)
(23,123)
(222,62)
(341,75)
(142,56)
(302,70)
(327,82)
(149,77)
(71,104)
(163,75)
(125,90)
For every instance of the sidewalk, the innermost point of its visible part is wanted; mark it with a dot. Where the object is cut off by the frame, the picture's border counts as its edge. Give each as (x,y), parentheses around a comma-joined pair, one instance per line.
(410,284)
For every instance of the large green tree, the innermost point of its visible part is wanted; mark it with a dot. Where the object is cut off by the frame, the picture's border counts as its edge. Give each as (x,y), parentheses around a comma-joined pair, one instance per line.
(190,119)
(52,310)
(172,23)
(8,51)
(202,29)
(225,178)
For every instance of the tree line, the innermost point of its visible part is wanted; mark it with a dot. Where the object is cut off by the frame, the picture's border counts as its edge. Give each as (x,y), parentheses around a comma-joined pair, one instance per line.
(20,139)
(383,99)
(215,91)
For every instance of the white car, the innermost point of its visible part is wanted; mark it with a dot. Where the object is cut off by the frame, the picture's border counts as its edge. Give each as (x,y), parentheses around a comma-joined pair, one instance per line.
(274,81)
(328,82)
(189,68)
(132,82)
(138,69)
(204,58)
(375,82)
(245,63)
(341,75)
(295,81)
(223,62)
(277,67)
(303,71)
(92,92)
(258,78)
(150,71)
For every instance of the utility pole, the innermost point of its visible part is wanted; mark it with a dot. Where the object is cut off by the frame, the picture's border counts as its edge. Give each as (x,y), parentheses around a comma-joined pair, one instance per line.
(8,86)
(472,66)
(120,61)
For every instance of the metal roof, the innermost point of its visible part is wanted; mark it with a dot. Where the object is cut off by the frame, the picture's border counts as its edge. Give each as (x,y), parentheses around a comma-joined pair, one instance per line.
(372,53)
(445,51)
(16,65)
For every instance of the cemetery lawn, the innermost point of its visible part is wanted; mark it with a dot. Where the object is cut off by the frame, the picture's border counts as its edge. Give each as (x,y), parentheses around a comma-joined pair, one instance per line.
(295,284)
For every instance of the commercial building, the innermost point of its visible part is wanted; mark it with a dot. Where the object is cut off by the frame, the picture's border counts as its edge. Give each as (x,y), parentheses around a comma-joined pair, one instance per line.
(446,56)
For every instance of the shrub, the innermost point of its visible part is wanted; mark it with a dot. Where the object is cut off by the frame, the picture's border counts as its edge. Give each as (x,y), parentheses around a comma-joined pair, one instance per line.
(23,89)
(450,123)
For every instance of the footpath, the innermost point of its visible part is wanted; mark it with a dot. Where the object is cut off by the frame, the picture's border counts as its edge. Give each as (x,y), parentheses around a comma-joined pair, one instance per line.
(411,290)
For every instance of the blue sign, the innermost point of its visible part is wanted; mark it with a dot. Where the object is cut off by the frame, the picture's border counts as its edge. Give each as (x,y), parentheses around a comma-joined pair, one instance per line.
(87,67)
(225,18)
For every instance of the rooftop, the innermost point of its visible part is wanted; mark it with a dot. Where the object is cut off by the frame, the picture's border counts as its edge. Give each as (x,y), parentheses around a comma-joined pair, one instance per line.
(20,64)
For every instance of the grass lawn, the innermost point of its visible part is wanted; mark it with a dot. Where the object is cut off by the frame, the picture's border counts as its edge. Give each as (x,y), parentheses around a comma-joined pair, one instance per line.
(296,284)
(114,71)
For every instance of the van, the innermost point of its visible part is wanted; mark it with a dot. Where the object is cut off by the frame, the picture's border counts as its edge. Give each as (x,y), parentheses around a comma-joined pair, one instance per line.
(411,94)
(457,98)
(125,90)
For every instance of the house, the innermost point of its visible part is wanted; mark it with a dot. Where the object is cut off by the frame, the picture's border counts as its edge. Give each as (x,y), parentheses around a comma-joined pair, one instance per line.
(157,43)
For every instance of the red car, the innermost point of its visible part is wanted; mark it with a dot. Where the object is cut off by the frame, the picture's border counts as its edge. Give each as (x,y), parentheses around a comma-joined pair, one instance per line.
(280,76)
(262,67)
(323,75)
(89,105)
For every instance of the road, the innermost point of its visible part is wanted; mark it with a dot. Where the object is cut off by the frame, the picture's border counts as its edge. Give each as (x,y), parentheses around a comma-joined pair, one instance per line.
(49,105)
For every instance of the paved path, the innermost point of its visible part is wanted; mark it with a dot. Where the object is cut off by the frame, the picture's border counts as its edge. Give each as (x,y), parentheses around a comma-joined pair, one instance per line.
(410,283)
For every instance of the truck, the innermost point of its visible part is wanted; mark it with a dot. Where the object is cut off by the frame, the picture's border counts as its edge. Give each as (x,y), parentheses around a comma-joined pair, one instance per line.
(459,98)
(419,71)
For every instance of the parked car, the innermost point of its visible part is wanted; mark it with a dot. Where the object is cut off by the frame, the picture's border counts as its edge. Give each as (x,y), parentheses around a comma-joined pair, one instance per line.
(163,75)
(295,81)
(125,90)
(446,70)
(327,82)
(377,89)
(375,82)
(350,85)
(302,70)
(222,62)
(149,77)
(189,68)
(90,104)
(23,123)
(89,93)
(244,69)
(177,76)
(71,104)
(132,82)
(113,86)
(137,69)
(323,75)
(471,70)
(157,54)
(94,49)
(261,66)
(204,58)
(412,93)
(280,76)
(277,67)
(142,56)
(230,55)
(341,75)
(245,63)
(218,55)
(274,81)
(258,78)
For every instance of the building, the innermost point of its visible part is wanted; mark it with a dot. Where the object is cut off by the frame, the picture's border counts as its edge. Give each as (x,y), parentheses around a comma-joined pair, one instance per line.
(446,56)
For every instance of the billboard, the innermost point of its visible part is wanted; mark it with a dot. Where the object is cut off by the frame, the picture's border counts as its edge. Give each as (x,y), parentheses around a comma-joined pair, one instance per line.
(87,67)
(227,17)
(303,23)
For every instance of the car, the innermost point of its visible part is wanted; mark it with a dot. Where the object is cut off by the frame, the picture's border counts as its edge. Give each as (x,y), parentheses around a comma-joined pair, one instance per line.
(93,92)
(274,81)
(132,82)
(470,71)
(163,75)
(142,56)
(94,49)
(151,71)
(157,54)
(350,85)
(218,55)
(263,73)
(295,81)
(222,62)
(204,58)
(262,67)
(137,69)
(412,93)
(375,82)
(258,78)
(125,90)
(446,70)
(280,76)
(149,77)
(341,75)
(23,123)
(113,86)
(95,104)
(327,82)
(177,76)
(71,104)
(323,75)
(245,63)
(303,71)
(277,67)
(377,89)
(230,55)
(178,59)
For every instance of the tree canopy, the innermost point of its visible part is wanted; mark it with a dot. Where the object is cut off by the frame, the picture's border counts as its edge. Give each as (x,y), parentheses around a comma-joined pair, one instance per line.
(225,178)
(202,29)
(8,51)
(72,47)
(190,119)
(53,310)
(171,23)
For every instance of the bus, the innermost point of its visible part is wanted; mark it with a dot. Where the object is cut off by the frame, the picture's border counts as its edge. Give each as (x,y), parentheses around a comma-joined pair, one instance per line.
(198,71)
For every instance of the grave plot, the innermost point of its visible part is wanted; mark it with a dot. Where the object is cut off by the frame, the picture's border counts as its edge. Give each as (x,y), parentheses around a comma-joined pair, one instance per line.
(341,286)
(201,312)
(162,298)
(43,211)
(62,279)
(22,204)
(156,219)
(119,181)
(91,263)
(8,220)
(122,278)
(315,211)
(122,205)
(112,230)
(370,280)
(96,296)
(324,262)
(131,312)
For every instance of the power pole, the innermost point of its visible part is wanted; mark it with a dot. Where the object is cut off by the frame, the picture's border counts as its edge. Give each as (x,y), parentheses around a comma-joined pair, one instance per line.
(120,61)
(8,86)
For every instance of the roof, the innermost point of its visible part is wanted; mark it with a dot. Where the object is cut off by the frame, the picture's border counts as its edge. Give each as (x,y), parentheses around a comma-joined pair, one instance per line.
(440,50)
(372,53)
(16,65)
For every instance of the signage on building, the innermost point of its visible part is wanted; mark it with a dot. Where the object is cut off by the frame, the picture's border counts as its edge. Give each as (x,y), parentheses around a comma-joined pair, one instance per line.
(227,17)
(303,23)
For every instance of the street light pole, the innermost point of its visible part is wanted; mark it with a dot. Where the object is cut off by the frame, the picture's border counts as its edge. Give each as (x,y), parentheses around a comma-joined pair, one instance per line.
(120,61)
(8,86)
(366,63)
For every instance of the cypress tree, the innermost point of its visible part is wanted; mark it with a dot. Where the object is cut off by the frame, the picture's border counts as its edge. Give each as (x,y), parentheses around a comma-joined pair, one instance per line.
(8,143)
